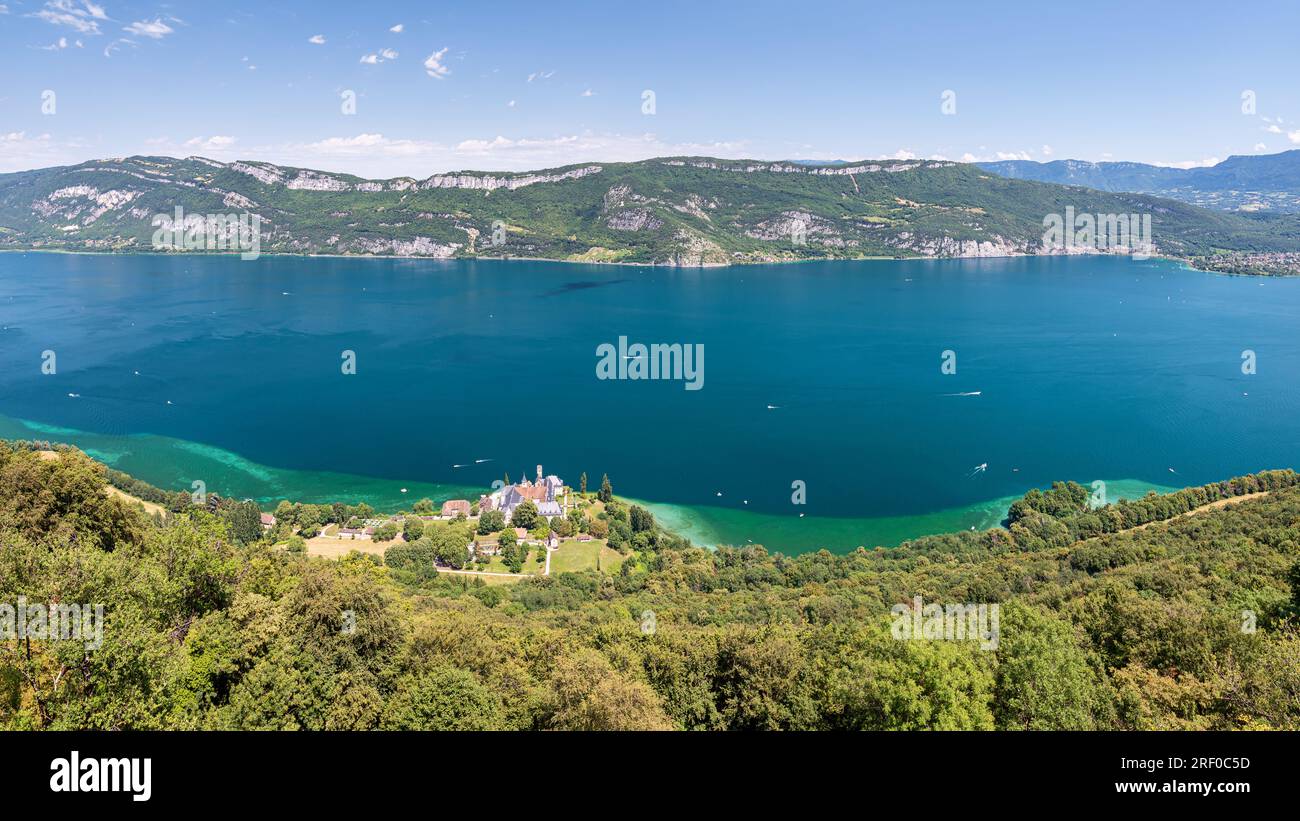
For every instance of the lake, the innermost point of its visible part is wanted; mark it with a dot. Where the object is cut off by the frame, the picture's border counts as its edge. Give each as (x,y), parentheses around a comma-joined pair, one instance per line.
(825,376)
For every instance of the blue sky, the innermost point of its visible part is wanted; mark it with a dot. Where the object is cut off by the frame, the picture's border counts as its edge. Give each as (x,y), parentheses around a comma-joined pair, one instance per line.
(511,86)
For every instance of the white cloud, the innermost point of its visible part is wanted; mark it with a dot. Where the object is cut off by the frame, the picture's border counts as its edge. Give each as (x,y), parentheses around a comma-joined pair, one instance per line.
(433,65)
(215,144)
(397,29)
(1047,151)
(1273,129)
(383,55)
(1013,155)
(587,93)
(155,30)
(375,155)
(510,104)
(1205,162)
(541,75)
(57,45)
(1293,136)
(20,151)
(81,19)
(317,39)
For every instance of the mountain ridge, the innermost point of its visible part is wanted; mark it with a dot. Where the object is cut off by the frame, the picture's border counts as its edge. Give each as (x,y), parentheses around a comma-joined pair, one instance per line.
(1247,182)
(680,210)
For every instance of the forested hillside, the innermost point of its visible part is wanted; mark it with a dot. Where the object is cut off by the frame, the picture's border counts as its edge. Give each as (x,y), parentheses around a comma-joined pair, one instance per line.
(1168,612)
(674,210)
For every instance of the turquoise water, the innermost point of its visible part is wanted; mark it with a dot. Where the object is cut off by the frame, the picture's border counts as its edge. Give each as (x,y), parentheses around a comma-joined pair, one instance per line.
(226,371)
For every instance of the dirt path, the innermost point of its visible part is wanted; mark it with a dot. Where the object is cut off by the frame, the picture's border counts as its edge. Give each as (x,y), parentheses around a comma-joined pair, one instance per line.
(1215,505)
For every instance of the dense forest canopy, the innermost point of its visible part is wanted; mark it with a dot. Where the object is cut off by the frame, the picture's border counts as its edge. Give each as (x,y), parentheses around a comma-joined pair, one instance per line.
(1131,616)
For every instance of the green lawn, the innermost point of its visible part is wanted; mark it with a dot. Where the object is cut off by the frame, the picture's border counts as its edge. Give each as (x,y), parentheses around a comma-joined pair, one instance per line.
(574,556)
(496,565)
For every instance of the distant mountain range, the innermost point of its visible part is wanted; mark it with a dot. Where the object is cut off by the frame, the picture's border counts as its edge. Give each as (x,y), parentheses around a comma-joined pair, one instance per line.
(1249,183)
(672,210)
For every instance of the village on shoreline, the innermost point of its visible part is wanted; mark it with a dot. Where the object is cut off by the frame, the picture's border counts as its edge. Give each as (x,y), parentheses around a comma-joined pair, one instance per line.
(532,527)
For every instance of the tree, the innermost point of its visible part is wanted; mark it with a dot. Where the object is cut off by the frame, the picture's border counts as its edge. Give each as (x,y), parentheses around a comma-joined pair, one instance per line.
(606,489)
(589,694)
(509,549)
(576,520)
(582,483)
(244,520)
(443,699)
(491,522)
(385,532)
(412,529)
(1044,680)
(423,507)
(525,515)
(450,544)
(642,520)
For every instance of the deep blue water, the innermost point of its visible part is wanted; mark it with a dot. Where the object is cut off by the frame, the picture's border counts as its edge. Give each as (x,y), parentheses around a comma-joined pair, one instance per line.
(1086,367)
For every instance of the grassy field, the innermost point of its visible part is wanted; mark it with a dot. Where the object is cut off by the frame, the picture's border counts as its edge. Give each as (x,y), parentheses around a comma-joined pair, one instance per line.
(574,556)
(338,548)
(496,565)
(149,507)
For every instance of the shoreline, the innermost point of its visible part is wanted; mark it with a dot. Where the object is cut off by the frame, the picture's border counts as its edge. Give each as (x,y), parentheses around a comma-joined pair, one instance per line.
(171,464)
(1185,263)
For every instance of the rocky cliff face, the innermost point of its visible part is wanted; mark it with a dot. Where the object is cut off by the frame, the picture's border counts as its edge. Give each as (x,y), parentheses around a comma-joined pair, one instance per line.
(677,210)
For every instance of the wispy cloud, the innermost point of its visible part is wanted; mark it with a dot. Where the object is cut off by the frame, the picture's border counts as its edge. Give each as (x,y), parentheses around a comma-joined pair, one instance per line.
(211,145)
(375,155)
(81,18)
(155,29)
(541,75)
(317,39)
(1204,162)
(383,55)
(433,65)
(397,29)
(20,151)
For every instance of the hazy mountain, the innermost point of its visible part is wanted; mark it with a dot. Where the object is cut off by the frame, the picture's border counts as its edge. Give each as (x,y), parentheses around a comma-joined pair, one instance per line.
(1269,181)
